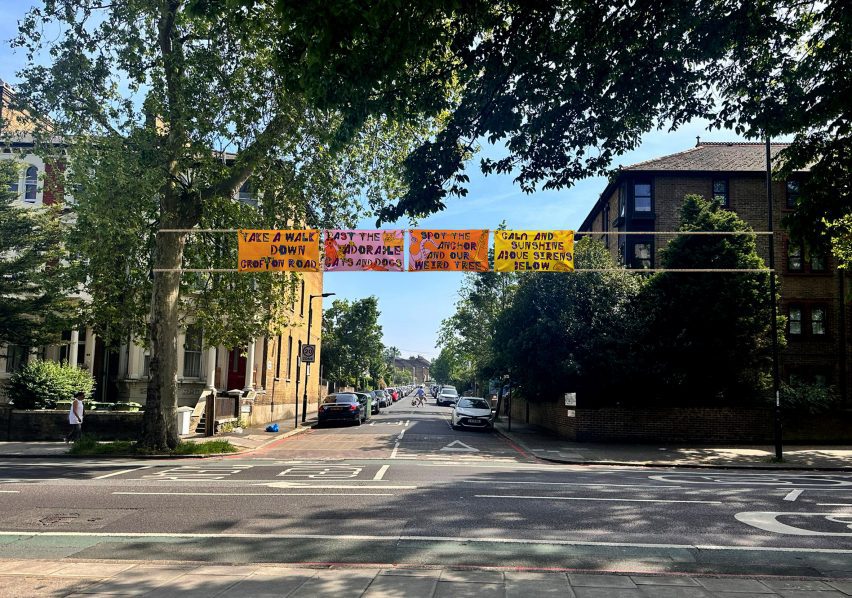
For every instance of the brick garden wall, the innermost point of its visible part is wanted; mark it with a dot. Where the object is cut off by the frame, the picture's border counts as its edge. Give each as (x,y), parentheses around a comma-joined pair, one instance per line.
(53,424)
(687,424)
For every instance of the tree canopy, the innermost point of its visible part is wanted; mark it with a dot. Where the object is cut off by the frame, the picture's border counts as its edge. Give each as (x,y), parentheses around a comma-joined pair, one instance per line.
(35,302)
(352,350)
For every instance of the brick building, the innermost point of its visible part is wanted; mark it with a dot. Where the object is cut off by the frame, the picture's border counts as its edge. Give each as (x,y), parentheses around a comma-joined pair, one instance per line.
(418,366)
(258,368)
(814,293)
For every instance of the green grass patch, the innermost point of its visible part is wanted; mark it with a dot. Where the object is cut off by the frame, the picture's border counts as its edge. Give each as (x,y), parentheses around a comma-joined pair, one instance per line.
(89,446)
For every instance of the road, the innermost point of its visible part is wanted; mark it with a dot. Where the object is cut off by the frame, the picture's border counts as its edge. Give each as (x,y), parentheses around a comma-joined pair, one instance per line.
(406,489)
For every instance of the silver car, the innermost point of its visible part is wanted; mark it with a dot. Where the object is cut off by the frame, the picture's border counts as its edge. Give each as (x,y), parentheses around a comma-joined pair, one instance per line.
(448,395)
(472,412)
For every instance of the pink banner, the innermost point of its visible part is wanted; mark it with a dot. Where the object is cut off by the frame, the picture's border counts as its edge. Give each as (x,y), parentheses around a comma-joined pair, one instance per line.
(363,250)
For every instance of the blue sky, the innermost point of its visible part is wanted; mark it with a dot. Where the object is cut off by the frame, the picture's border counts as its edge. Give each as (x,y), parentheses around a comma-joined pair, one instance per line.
(413,304)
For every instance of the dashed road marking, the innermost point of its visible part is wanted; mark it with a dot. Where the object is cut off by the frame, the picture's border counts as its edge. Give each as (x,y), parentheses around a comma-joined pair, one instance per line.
(381,473)
(596,499)
(794,494)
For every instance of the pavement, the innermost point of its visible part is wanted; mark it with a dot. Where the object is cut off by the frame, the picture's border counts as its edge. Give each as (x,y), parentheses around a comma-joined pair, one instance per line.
(46,578)
(249,439)
(545,445)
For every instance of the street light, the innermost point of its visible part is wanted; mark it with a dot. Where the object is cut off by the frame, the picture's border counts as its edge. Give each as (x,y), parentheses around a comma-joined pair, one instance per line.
(308,368)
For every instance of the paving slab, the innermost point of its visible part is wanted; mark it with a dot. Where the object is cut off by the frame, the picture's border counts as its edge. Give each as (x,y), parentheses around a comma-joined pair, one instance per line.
(472,576)
(459,589)
(266,584)
(195,586)
(585,592)
(810,594)
(392,586)
(555,585)
(600,581)
(796,584)
(734,585)
(40,587)
(664,581)
(338,583)
(675,592)
(842,586)
(136,581)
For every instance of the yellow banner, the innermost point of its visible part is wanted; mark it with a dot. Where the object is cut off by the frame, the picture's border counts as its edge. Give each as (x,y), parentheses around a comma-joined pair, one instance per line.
(534,250)
(448,250)
(278,250)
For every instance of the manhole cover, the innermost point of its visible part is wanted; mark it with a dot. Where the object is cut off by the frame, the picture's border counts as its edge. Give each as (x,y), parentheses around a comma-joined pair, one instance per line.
(64,518)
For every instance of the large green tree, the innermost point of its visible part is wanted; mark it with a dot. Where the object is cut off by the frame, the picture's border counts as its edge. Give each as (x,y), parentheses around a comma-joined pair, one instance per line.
(706,337)
(568,86)
(34,287)
(168,108)
(352,350)
(570,332)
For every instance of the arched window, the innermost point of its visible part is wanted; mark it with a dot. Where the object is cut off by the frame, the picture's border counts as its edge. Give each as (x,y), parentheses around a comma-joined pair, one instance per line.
(31,184)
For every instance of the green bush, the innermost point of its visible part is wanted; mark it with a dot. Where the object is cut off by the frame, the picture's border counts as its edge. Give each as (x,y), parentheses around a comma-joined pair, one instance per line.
(40,384)
(126,406)
(808,398)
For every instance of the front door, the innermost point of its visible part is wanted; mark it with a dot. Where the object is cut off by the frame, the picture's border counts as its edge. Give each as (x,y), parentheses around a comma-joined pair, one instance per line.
(236,369)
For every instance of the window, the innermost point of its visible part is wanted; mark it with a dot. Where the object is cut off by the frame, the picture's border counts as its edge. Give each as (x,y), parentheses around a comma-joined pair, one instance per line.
(818,320)
(31,184)
(794,257)
(795,320)
(192,352)
(720,192)
(278,356)
(792,193)
(642,255)
(605,225)
(289,357)
(621,251)
(13,184)
(642,198)
(302,300)
(245,195)
(298,362)
(621,202)
(16,356)
(818,263)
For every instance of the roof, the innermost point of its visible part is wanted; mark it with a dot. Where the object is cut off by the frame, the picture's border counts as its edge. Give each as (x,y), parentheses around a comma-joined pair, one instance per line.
(716,156)
(713,157)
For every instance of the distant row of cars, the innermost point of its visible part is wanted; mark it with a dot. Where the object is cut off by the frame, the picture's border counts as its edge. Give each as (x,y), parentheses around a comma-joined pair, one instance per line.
(357,407)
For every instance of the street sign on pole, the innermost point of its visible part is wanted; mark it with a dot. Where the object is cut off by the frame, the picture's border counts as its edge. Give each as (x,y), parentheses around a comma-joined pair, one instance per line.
(308,353)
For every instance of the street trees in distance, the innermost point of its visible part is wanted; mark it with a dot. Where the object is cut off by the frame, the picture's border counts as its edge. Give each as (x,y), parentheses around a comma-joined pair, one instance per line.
(352,350)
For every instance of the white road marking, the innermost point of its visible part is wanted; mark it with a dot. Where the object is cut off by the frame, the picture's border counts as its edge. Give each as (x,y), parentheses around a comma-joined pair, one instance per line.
(756,479)
(768,521)
(381,473)
(833,504)
(582,498)
(253,493)
(399,538)
(368,486)
(401,434)
(598,485)
(395,449)
(109,475)
(372,423)
(10,491)
(794,494)
(458,445)
(407,422)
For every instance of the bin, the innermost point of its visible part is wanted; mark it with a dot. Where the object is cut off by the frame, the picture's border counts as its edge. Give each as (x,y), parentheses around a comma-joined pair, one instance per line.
(184,415)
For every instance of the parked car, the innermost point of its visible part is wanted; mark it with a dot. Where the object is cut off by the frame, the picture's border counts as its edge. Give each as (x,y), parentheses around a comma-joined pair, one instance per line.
(374,404)
(343,407)
(472,412)
(448,396)
(382,398)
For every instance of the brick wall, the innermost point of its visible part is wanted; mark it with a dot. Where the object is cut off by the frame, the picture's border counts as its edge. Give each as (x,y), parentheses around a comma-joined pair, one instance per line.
(679,425)
(53,424)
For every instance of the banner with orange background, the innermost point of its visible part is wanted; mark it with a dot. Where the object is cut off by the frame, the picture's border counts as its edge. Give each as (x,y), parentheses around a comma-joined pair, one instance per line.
(448,250)
(278,250)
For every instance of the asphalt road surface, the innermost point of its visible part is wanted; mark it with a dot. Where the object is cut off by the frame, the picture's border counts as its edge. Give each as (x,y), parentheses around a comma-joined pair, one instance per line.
(406,489)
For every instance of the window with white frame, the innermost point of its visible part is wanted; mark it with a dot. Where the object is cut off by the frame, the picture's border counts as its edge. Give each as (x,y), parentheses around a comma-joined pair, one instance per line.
(720,192)
(642,255)
(794,257)
(192,352)
(31,184)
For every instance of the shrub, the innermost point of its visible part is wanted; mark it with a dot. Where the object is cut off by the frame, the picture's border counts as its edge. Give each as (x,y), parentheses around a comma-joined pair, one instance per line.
(808,398)
(127,406)
(40,384)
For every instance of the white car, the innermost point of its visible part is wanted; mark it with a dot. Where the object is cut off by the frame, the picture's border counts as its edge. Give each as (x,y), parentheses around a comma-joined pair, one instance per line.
(448,395)
(472,412)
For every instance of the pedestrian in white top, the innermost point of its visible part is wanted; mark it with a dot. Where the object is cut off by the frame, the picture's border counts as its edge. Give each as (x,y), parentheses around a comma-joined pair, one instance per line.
(75,417)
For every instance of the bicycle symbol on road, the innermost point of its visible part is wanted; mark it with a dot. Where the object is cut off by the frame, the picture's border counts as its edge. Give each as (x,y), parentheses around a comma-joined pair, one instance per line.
(757,479)
(838,525)
(323,472)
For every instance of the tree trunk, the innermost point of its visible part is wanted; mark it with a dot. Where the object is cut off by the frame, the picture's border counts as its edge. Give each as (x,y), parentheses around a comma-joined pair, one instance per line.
(159,429)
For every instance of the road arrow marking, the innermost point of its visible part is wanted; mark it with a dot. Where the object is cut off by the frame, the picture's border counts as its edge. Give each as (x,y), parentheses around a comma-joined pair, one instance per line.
(458,445)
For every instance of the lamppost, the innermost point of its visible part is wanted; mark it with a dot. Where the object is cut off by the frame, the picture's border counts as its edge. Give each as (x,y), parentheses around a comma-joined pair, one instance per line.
(774,311)
(308,368)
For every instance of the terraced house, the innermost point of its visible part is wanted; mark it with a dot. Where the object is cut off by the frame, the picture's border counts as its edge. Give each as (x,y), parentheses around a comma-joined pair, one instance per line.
(646,197)
(249,374)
